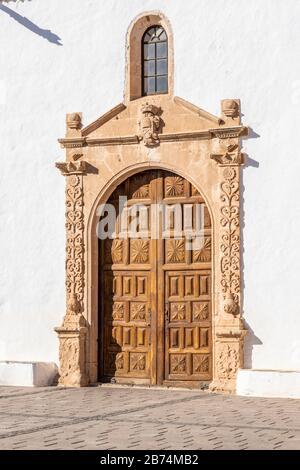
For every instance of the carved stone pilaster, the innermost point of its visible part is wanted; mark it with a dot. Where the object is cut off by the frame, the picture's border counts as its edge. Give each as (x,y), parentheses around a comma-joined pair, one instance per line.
(229,327)
(72,332)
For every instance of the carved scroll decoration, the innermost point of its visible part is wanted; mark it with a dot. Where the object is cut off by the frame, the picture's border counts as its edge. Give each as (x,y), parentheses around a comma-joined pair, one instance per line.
(74,234)
(230,239)
(74,245)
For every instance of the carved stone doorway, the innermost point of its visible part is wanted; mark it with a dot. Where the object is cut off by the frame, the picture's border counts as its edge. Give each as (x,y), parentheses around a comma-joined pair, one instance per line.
(199,149)
(155,299)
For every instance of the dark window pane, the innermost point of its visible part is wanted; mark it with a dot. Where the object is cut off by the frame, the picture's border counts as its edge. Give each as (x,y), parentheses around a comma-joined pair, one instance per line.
(152,31)
(149,84)
(161,67)
(152,34)
(162,84)
(149,67)
(149,51)
(149,34)
(161,50)
(161,35)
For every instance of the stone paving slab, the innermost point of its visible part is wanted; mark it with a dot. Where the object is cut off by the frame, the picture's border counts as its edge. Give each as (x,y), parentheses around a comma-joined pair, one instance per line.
(142,418)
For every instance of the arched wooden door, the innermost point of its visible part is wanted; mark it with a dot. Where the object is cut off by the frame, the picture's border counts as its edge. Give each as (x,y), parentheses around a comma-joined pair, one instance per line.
(155,288)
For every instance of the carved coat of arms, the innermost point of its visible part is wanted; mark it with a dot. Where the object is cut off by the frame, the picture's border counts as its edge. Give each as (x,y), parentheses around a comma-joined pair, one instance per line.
(150,125)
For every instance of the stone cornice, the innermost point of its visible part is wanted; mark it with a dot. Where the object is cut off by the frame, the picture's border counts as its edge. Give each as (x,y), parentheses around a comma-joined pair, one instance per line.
(229,132)
(221,133)
(102,141)
(72,142)
(183,136)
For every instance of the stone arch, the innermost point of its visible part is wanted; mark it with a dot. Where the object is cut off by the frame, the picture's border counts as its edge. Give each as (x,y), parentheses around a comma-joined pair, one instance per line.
(133,71)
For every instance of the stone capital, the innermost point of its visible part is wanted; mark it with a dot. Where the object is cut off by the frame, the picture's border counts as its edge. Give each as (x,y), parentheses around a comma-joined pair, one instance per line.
(72,168)
(228,158)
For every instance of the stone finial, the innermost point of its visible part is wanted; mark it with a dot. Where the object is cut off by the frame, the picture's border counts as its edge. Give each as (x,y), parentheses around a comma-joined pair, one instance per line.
(230,108)
(73,120)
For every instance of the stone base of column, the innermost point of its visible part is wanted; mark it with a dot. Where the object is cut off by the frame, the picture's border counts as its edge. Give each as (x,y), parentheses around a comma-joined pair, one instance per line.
(229,355)
(72,339)
(223,386)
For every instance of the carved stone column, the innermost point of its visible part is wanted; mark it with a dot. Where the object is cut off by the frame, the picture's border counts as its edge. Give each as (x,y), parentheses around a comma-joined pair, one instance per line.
(72,332)
(229,327)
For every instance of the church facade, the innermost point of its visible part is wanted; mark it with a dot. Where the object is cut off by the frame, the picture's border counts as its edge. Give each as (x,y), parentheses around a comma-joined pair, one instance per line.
(165,254)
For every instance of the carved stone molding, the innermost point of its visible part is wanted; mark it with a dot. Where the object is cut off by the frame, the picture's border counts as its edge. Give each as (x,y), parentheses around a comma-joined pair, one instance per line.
(72,333)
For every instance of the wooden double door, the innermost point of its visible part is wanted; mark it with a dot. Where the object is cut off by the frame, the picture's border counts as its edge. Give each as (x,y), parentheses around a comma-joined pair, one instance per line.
(155,284)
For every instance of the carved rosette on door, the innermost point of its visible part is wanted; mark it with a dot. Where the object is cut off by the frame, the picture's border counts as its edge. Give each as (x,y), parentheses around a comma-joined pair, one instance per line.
(155,316)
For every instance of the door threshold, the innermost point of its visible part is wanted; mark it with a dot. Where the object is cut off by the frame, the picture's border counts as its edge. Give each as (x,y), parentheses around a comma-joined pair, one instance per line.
(154,387)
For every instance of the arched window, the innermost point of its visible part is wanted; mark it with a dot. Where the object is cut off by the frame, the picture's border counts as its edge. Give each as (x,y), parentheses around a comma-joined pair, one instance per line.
(155,61)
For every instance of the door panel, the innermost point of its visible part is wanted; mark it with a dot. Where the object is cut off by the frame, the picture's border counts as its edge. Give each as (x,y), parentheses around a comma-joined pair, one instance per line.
(127,302)
(155,322)
(187,287)
(187,327)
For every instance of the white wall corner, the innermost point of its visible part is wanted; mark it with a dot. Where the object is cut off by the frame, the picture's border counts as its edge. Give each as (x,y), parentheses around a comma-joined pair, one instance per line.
(28,374)
(268,383)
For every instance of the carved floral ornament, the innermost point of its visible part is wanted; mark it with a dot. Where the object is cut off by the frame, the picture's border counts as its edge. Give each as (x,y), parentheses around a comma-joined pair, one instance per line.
(230,239)
(223,161)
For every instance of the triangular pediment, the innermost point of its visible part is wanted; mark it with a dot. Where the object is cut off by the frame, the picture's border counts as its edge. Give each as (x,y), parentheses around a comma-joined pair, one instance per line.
(176,114)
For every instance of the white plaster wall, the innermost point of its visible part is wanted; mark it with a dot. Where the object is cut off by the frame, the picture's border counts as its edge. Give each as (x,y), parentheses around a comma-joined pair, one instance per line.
(245,49)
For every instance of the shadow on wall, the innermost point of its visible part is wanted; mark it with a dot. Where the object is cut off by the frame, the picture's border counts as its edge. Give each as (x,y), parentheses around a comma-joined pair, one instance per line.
(44,33)
(250,339)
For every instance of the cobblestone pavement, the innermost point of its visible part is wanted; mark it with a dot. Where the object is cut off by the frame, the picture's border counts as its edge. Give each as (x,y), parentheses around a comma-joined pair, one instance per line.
(140,418)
